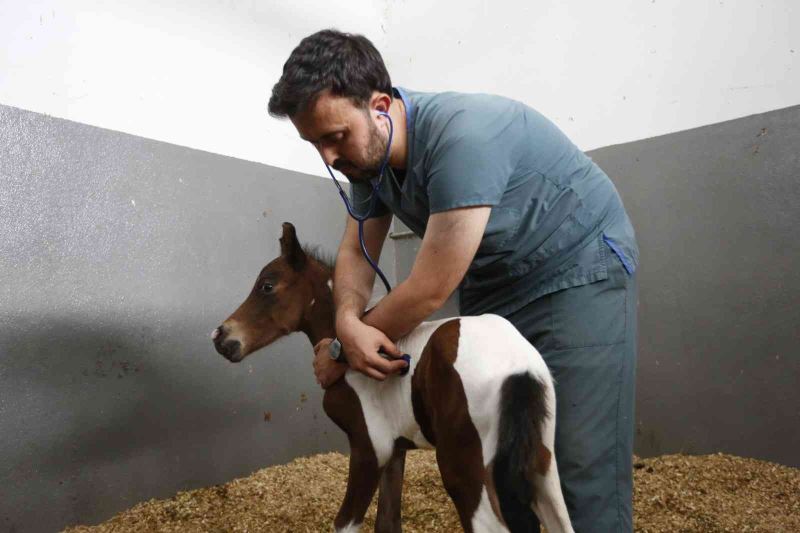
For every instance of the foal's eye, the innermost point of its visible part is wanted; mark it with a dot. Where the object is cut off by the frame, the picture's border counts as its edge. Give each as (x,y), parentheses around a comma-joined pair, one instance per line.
(266,287)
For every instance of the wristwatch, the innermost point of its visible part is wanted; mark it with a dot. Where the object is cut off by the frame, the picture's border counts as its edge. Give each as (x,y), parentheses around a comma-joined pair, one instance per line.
(335,351)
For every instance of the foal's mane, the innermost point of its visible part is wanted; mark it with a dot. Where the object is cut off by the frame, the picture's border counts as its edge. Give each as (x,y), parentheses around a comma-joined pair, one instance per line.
(324,258)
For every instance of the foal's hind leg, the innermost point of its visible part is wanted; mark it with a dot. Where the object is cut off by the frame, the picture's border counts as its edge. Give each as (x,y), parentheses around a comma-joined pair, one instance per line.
(549,503)
(390,494)
(464,477)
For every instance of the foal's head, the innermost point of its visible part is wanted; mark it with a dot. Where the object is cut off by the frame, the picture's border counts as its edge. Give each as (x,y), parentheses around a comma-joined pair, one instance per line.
(292,293)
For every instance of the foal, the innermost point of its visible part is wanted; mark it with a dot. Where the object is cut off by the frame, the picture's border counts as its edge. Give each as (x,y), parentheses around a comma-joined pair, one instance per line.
(476,390)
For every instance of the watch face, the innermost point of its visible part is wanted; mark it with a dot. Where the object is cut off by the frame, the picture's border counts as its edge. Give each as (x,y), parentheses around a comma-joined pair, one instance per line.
(334,349)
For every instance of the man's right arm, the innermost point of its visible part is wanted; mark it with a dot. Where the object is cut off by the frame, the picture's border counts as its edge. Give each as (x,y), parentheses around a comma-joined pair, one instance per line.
(352,288)
(353,276)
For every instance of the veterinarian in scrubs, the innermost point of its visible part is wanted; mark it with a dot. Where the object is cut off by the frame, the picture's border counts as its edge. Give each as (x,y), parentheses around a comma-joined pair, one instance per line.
(512,215)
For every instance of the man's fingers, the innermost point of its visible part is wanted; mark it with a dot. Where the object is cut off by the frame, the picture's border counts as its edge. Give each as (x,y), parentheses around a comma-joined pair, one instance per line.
(317,346)
(390,347)
(386,366)
(393,365)
(371,372)
(379,363)
(398,365)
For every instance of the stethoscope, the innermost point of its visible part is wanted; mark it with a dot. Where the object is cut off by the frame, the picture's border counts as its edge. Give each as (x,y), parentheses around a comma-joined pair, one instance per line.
(373,202)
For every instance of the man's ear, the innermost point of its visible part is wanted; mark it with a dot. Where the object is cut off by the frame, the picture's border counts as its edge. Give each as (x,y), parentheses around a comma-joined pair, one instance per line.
(380,102)
(291,249)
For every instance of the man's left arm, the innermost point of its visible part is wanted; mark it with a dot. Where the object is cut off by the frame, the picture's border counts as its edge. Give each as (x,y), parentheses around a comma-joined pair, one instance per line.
(451,240)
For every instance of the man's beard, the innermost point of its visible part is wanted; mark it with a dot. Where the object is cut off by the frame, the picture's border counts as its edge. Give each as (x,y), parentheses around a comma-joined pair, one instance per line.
(373,158)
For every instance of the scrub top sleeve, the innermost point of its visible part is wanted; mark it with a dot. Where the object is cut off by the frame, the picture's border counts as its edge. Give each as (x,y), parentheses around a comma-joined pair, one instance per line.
(360,194)
(469,165)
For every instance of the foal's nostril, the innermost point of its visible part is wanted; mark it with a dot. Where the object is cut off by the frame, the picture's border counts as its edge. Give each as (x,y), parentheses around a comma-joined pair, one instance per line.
(219,337)
(230,350)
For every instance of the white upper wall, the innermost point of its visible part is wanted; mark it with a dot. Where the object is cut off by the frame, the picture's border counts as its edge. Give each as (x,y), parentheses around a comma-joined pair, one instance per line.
(606,72)
(198,73)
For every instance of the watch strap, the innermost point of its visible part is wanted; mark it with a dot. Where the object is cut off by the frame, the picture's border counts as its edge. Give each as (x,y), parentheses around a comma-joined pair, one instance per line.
(335,351)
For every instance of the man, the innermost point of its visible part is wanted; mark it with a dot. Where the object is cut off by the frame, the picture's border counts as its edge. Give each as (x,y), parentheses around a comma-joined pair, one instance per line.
(512,214)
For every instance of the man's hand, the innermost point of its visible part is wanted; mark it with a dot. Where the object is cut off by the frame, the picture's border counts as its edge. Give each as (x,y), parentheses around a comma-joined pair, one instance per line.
(361,343)
(326,370)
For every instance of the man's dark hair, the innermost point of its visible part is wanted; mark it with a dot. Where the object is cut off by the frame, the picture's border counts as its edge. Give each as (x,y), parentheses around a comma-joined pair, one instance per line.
(347,65)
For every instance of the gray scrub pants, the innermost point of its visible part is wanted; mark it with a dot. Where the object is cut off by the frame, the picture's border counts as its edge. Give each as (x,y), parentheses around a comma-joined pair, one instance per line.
(587,336)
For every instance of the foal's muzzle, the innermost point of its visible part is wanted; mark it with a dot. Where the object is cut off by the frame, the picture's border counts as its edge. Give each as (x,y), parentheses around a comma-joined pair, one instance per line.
(230,349)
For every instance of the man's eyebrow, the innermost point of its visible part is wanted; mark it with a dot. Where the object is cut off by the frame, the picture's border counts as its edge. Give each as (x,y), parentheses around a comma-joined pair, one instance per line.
(322,136)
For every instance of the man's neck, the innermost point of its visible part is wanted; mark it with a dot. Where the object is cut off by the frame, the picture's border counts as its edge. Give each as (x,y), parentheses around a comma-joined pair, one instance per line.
(399,151)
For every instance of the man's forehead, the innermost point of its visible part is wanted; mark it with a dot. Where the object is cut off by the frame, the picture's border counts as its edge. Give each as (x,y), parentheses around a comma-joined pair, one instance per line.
(327,114)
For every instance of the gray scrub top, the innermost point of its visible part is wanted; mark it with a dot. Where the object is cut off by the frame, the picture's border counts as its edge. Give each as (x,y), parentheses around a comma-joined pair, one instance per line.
(556,216)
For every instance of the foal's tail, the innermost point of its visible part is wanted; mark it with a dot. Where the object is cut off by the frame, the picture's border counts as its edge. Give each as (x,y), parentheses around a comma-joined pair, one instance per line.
(520,451)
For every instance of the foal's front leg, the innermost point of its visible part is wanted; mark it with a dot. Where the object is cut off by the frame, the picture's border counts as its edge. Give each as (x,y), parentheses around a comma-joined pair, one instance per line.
(390,494)
(362,481)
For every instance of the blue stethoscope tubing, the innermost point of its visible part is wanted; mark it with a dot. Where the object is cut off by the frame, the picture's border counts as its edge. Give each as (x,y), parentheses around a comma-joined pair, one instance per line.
(373,202)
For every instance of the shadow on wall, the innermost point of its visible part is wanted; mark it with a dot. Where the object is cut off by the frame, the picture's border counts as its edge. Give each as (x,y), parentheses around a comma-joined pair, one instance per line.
(113,415)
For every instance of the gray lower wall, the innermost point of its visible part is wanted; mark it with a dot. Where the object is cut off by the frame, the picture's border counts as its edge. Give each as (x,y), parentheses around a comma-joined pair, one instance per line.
(119,255)
(717,216)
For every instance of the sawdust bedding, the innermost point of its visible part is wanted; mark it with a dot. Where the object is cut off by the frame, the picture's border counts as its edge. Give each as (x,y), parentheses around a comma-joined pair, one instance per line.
(673,493)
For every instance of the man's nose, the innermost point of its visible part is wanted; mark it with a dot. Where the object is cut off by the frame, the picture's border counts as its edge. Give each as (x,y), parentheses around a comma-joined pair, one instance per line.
(328,154)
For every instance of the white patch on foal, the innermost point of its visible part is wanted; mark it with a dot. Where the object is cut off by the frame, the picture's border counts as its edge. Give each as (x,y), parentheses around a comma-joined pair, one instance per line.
(484,520)
(387,404)
(490,349)
(350,528)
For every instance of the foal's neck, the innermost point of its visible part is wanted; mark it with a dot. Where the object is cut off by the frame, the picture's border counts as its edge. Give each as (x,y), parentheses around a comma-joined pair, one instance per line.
(319,318)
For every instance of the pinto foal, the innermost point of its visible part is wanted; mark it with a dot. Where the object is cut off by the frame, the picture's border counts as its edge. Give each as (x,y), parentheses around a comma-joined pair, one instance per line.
(477,391)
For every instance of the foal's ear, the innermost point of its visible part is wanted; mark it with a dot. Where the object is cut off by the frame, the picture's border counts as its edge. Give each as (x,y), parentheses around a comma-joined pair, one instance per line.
(290,248)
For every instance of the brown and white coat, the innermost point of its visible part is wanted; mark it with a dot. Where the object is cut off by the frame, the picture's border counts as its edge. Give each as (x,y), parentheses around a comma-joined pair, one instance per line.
(477,391)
